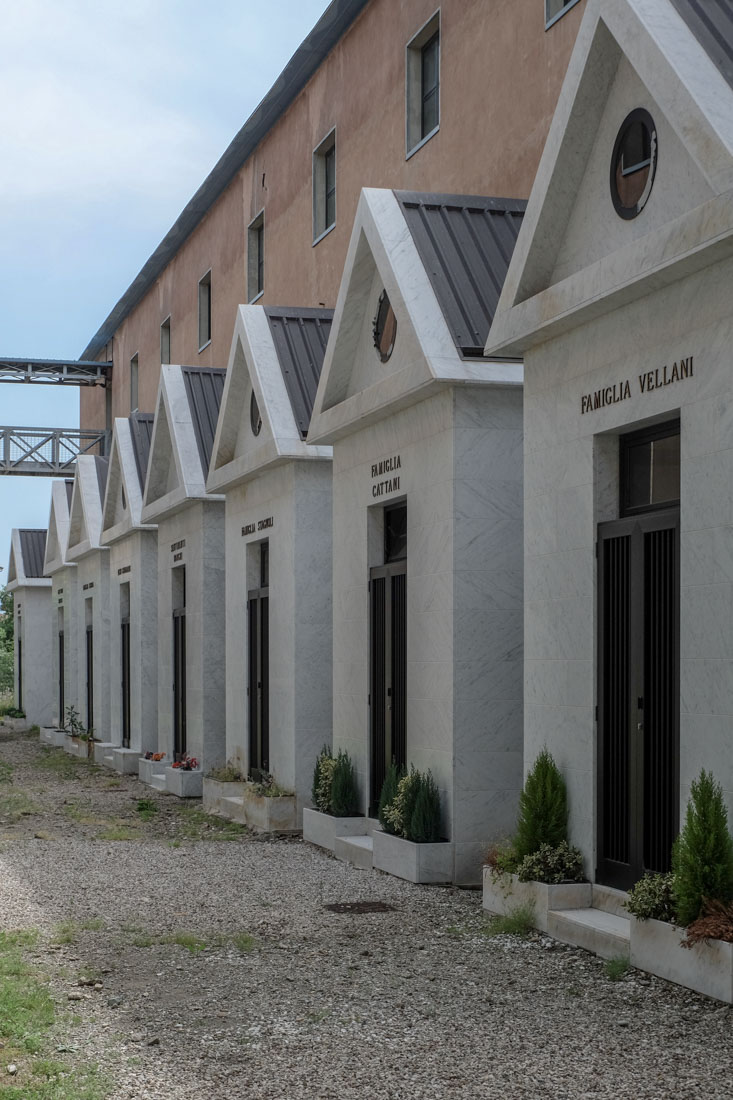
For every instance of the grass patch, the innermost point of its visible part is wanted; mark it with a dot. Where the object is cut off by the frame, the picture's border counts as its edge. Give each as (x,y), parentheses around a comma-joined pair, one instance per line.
(195,942)
(119,832)
(56,761)
(6,772)
(243,942)
(616,969)
(194,824)
(111,784)
(146,808)
(16,804)
(519,922)
(70,930)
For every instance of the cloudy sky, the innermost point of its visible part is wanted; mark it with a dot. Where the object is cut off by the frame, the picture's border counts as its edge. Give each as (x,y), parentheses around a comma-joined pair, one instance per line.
(113,114)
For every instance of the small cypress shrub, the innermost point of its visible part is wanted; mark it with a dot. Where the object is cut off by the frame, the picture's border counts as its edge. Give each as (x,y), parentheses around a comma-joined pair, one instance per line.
(322,776)
(388,795)
(702,857)
(543,808)
(424,823)
(344,794)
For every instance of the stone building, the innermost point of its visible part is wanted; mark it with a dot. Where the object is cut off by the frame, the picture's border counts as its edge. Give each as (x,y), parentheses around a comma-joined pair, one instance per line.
(32,626)
(277,489)
(427,510)
(64,611)
(133,556)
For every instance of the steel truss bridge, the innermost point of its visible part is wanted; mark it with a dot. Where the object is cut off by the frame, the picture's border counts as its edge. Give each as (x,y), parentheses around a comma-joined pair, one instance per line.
(51,452)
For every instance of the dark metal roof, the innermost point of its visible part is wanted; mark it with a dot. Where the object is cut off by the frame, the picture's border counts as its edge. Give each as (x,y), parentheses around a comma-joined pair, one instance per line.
(300,337)
(333,24)
(33,549)
(102,467)
(204,388)
(711,22)
(465,243)
(141,430)
(69,491)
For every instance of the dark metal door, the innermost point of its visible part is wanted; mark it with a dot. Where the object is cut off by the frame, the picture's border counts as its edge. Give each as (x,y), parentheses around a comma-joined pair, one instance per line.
(388,673)
(125,653)
(90,678)
(62,694)
(20,674)
(638,696)
(179,683)
(258,684)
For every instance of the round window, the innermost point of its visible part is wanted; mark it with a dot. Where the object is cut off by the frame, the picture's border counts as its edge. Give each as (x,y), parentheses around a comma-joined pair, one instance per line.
(385,327)
(634,163)
(254,415)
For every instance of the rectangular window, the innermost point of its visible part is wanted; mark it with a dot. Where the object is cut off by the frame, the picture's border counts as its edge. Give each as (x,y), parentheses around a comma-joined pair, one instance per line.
(423,85)
(324,186)
(133,384)
(165,341)
(256,257)
(205,311)
(554,9)
(650,469)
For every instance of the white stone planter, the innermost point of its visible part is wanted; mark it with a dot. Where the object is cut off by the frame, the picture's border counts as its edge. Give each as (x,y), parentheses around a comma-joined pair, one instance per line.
(75,747)
(707,967)
(215,791)
(14,725)
(505,893)
(184,784)
(322,829)
(413,862)
(270,815)
(103,749)
(52,735)
(126,761)
(146,769)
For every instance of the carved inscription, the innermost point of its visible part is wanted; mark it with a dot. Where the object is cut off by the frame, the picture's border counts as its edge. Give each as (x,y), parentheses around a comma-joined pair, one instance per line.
(389,484)
(124,569)
(651,380)
(259,525)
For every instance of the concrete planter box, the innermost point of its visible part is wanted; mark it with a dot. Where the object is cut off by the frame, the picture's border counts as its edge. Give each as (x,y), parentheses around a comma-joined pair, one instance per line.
(322,829)
(270,815)
(413,862)
(101,750)
(75,747)
(126,761)
(707,967)
(504,893)
(146,769)
(182,783)
(51,735)
(14,725)
(215,791)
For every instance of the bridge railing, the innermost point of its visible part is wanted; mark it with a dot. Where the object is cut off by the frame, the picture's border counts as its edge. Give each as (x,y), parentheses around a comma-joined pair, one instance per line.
(47,452)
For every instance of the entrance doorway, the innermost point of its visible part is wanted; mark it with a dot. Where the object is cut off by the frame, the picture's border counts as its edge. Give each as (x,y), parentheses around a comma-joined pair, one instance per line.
(179,661)
(258,679)
(62,694)
(90,676)
(638,663)
(125,654)
(388,654)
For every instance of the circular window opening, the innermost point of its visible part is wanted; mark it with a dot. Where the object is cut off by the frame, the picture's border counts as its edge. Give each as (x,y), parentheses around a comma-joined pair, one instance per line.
(254,415)
(634,163)
(385,327)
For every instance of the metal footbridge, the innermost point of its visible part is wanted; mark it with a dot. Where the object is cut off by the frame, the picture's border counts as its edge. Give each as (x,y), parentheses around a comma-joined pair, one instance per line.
(52,452)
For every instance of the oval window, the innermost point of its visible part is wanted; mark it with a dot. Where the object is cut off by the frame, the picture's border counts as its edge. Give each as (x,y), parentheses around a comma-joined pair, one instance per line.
(254,415)
(634,163)
(385,327)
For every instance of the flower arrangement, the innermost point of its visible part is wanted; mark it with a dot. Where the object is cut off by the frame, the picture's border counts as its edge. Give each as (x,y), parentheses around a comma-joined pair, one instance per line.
(186,763)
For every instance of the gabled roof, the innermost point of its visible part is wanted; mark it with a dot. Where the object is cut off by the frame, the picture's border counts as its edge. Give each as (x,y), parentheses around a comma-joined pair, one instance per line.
(441,260)
(276,357)
(333,24)
(465,243)
(575,258)
(27,551)
(123,499)
(300,337)
(186,411)
(57,538)
(85,521)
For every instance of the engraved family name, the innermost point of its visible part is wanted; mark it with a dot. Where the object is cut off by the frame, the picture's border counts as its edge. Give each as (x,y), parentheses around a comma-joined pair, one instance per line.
(651,380)
(390,484)
(260,525)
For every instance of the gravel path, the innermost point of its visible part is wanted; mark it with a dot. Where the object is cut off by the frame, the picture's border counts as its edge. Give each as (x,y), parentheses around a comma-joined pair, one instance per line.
(412,1002)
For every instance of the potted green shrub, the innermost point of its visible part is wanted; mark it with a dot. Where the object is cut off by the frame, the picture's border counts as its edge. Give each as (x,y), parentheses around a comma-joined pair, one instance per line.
(268,807)
(410,845)
(538,868)
(335,798)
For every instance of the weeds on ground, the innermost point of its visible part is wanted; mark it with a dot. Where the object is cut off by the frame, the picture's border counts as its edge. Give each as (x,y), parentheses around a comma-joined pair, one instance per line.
(16,804)
(6,772)
(194,824)
(70,930)
(519,922)
(58,763)
(195,942)
(111,784)
(616,969)
(146,808)
(120,832)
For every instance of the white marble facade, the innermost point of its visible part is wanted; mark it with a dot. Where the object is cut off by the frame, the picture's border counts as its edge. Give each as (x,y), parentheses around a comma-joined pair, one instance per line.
(277,489)
(460,476)
(589,316)
(34,688)
(64,611)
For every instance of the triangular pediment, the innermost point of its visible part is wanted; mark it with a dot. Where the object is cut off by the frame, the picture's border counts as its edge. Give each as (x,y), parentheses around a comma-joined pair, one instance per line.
(123,496)
(164,474)
(576,256)
(12,565)
(57,538)
(77,520)
(53,546)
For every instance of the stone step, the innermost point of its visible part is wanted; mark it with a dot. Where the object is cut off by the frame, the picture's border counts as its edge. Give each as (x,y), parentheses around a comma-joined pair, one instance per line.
(232,808)
(354,849)
(158,781)
(610,900)
(605,934)
(109,761)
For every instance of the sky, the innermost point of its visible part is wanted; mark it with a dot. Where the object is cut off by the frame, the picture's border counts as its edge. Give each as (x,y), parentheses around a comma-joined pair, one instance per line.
(112,115)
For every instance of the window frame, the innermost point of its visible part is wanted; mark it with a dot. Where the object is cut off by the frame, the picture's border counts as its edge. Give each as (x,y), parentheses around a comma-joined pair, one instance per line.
(205,284)
(165,326)
(414,95)
(134,387)
(256,257)
(321,153)
(664,430)
(551,20)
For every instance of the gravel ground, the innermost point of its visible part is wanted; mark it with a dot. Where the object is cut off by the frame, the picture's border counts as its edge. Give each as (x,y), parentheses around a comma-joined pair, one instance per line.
(412,1002)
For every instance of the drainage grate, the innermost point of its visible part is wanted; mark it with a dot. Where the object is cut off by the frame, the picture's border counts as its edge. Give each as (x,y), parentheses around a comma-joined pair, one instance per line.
(360,907)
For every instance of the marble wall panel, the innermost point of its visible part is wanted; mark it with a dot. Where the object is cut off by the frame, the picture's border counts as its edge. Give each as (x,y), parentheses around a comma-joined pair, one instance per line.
(33,622)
